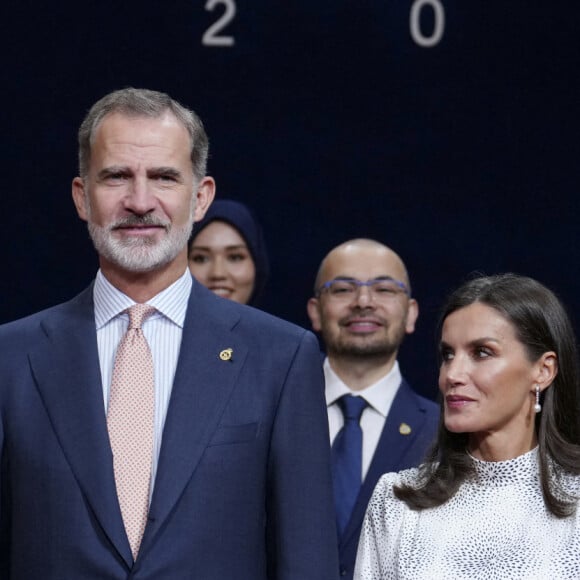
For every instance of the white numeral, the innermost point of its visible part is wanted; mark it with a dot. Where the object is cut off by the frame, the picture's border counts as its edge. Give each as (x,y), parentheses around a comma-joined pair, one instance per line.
(212,36)
(438,29)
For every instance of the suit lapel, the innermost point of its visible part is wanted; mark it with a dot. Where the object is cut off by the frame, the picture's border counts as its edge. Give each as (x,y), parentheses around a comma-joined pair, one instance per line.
(202,386)
(66,370)
(392,447)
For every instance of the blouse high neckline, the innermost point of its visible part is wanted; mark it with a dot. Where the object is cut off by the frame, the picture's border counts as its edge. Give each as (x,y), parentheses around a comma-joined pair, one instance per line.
(521,468)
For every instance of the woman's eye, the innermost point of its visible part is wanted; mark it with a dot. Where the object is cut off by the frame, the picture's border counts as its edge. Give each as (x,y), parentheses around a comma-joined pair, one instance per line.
(446,355)
(237,257)
(198,258)
(482,352)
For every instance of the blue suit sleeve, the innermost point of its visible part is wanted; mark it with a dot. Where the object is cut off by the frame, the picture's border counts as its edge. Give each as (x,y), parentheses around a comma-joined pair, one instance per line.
(301,529)
(4,523)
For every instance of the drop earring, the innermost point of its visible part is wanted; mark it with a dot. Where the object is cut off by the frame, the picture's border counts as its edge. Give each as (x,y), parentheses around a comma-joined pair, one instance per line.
(537,406)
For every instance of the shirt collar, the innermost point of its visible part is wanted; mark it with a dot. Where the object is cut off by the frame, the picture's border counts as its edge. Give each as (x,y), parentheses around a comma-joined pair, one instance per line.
(171,302)
(379,395)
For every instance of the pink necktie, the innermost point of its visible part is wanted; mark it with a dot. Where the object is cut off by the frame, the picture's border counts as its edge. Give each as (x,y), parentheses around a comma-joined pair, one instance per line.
(130,423)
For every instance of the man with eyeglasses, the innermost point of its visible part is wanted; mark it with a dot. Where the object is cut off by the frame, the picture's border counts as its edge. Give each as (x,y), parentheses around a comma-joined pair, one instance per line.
(363,308)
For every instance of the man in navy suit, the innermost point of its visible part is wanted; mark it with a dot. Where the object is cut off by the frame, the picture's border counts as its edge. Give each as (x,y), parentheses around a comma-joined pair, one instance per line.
(240,484)
(363,308)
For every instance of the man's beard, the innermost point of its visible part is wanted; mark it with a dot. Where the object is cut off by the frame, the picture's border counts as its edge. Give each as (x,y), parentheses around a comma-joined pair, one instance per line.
(373,348)
(140,254)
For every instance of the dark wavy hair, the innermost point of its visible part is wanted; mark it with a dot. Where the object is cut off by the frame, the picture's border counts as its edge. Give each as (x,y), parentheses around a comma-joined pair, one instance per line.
(541,325)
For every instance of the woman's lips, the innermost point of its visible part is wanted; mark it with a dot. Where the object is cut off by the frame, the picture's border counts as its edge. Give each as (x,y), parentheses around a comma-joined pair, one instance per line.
(457,401)
(221,290)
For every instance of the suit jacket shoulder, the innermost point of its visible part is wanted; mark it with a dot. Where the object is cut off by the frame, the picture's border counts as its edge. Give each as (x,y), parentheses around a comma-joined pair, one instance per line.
(245,435)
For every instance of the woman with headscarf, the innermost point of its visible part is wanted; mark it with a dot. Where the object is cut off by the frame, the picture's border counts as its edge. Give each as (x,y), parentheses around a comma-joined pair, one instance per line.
(227,253)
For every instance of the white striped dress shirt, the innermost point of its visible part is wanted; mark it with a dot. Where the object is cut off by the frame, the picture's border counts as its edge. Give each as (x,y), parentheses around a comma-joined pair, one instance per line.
(163,331)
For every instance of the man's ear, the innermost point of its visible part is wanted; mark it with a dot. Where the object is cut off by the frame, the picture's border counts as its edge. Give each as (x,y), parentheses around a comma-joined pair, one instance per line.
(412,315)
(203,197)
(313,309)
(79,198)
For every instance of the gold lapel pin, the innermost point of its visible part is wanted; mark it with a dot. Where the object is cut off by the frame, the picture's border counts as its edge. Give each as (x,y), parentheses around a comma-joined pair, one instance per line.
(404,429)
(226,354)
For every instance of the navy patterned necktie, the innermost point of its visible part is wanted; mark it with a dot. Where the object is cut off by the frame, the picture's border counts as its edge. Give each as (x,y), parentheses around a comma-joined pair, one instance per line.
(347,459)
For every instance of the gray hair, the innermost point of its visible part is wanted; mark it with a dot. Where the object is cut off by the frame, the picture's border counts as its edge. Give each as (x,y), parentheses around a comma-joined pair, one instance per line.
(143,103)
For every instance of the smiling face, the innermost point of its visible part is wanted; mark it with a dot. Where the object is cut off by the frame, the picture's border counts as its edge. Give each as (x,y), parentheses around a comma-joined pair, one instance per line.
(488,380)
(140,196)
(219,258)
(364,326)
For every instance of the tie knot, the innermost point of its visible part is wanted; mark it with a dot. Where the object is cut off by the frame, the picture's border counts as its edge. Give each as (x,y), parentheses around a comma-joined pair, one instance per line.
(137,314)
(352,407)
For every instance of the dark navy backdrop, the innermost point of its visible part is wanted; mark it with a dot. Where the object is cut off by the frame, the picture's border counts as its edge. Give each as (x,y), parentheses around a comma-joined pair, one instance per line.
(332,119)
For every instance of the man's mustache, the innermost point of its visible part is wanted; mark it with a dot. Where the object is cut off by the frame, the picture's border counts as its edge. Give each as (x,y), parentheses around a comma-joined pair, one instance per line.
(135,220)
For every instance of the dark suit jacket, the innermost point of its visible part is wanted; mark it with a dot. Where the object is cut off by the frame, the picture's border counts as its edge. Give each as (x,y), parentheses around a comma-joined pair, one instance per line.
(243,486)
(395,451)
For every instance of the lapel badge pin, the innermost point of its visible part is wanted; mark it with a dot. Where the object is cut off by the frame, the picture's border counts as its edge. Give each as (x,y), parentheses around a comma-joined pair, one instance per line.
(404,429)
(226,354)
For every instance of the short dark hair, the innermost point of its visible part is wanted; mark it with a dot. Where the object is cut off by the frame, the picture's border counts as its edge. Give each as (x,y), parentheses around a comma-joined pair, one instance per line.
(541,324)
(143,103)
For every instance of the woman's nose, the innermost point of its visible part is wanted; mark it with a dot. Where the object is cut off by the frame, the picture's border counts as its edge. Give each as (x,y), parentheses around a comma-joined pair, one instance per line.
(454,371)
(217,269)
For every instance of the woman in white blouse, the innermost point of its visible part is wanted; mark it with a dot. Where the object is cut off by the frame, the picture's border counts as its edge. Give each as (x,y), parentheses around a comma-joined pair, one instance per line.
(498,497)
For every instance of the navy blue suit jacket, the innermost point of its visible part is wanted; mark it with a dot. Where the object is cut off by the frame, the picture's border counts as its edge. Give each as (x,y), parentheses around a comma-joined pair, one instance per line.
(243,484)
(395,451)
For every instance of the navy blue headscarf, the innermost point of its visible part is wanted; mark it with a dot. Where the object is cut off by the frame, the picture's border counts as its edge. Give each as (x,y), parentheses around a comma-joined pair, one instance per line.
(241,218)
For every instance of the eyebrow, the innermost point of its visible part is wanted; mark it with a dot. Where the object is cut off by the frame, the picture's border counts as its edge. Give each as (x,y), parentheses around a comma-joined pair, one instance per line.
(208,248)
(124,170)
(169,171)
(113,170)
(376,278)
(474,342)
